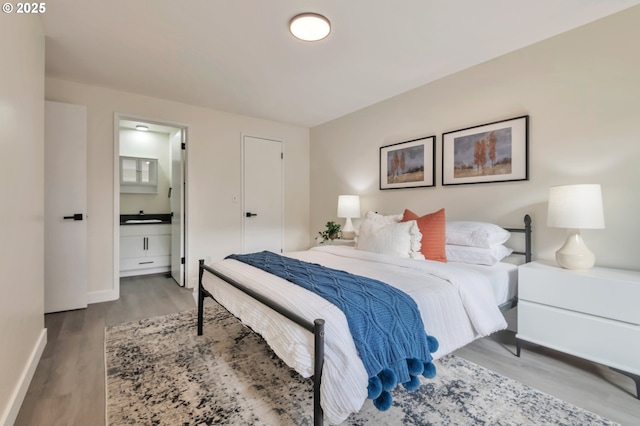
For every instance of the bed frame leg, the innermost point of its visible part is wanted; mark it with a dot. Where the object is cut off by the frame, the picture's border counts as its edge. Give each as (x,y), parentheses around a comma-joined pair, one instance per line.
(634,377)
(200,298)
(318,361)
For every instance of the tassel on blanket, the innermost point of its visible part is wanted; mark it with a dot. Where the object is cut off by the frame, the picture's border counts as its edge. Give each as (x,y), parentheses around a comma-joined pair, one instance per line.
(380,386)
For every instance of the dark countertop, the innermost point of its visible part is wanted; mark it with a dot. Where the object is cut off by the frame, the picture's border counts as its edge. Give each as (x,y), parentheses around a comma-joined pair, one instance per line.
(164,218)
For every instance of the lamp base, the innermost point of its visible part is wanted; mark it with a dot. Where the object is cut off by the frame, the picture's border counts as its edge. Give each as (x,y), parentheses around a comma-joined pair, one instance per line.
(348,235)
(348,232)
(575,254)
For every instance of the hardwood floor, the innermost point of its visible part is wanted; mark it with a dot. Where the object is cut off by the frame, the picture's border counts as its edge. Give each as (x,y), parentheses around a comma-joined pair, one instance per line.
(69,384)
(588,385)
(68,387)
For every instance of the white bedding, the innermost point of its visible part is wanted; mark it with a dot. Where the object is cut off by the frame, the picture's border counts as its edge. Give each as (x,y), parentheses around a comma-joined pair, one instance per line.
(502,276)
(457,305)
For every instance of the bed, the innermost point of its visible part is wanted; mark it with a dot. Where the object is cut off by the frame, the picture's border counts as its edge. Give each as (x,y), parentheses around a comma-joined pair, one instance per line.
(458,303)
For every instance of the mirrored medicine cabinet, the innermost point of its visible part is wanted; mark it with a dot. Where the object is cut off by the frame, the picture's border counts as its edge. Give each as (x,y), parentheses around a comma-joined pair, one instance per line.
(138,175)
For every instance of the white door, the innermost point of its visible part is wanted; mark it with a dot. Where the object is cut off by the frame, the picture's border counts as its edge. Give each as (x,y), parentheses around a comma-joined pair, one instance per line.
(262,195)
(65,201)
(177,205)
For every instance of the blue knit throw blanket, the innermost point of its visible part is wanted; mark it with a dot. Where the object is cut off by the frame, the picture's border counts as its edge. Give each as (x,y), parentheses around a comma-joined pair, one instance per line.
(385,322)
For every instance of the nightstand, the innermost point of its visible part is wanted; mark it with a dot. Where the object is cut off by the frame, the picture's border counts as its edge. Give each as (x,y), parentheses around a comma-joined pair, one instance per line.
(592,314)
(336,242)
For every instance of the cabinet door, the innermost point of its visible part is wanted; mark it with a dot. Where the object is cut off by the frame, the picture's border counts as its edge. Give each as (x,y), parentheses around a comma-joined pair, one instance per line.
(158,245)
(128,170)
(133,246)
(138,175)
(148,169)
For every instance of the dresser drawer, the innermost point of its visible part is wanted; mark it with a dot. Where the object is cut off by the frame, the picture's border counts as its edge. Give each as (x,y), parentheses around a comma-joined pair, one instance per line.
(135,263)
(601,292)
(601,340)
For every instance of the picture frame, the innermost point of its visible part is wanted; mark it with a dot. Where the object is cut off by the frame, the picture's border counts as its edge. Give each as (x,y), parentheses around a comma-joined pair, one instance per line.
(409,164)
(488,153)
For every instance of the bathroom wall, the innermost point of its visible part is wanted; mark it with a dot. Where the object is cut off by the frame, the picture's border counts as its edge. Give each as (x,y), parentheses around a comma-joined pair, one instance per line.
(134,143)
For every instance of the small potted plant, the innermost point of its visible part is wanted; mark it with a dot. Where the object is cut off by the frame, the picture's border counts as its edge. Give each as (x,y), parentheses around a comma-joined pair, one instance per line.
(332,231)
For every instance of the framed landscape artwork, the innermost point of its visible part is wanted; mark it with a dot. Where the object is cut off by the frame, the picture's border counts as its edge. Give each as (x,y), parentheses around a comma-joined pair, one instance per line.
(409,164)
(494,152)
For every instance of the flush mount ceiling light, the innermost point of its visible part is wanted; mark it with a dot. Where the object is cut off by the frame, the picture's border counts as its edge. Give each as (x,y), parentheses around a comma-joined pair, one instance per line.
(142,128)
(309,26)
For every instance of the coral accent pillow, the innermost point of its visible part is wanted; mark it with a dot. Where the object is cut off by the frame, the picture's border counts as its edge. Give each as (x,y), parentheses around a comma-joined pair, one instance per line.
(432,226)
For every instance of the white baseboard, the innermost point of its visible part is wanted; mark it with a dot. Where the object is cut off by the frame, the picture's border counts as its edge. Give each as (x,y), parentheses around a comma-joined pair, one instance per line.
(102,296)
(13,408)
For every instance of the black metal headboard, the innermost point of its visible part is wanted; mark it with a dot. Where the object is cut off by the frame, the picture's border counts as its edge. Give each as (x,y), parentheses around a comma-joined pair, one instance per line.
(527,238)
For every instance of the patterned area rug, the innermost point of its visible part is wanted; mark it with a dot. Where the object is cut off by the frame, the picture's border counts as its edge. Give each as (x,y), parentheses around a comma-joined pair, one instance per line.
(160,373)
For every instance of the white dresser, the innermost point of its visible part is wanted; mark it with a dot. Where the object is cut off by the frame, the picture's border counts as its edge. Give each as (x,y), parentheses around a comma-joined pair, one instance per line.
(592,314)
(145,249)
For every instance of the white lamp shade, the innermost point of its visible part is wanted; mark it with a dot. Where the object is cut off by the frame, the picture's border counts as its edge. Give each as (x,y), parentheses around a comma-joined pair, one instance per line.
(348,206)
(575,207)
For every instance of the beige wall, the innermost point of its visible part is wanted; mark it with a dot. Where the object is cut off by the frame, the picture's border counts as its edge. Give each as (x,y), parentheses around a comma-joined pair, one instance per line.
(582,92)
(213,157)
(134,143)
(22,334)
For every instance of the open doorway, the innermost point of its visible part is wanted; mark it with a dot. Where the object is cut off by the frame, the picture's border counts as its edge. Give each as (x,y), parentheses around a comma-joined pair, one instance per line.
(150,197)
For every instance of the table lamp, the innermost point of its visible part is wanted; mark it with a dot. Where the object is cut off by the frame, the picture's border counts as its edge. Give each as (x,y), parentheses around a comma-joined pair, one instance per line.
(575,207)
(348,207)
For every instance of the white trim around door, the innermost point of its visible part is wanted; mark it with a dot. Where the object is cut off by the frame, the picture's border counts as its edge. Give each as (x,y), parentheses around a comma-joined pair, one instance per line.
(115,290)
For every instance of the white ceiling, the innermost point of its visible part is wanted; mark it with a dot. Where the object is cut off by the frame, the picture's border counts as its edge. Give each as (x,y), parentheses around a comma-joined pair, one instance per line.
(238,56)
(153,127)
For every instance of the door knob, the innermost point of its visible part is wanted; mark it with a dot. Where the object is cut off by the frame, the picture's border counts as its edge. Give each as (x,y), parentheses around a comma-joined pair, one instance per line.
(249,214)
(77,216)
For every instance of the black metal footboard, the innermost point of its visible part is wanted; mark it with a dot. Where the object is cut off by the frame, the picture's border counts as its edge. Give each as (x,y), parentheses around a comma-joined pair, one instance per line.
(316,327)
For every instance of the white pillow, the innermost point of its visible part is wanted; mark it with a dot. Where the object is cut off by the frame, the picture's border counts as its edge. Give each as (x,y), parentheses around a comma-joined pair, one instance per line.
(477,255)
(378,218)
(395,239)
(475,234)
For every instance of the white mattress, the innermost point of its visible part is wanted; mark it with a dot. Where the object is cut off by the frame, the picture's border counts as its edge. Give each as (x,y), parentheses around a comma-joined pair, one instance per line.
(502,276)
(457,305)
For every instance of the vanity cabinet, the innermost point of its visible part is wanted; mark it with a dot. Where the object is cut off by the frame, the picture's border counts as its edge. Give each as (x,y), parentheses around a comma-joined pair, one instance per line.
(138,175)
(145,249)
